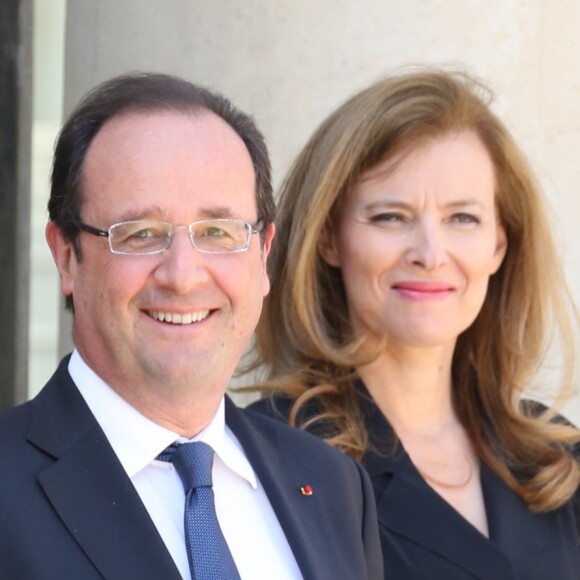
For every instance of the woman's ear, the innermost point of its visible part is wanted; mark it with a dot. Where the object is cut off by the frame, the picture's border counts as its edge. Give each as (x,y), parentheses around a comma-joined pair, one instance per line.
(327,247)
(500,248)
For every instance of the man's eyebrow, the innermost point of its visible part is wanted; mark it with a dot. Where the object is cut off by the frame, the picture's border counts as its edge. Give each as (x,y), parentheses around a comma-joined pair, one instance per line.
(157,213)
(152,212)
(216,212)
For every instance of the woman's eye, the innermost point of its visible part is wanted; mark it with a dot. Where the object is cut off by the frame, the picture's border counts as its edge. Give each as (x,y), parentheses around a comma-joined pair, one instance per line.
(465,218)
(388,218)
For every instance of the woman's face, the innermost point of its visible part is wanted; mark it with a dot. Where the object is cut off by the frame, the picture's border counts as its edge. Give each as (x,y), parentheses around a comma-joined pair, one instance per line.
(417,240)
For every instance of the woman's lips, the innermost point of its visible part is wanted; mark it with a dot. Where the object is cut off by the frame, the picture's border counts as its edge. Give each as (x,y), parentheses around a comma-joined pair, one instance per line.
(423,290)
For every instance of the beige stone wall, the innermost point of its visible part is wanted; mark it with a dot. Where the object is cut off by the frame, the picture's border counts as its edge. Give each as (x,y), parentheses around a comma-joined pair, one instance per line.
(291,62)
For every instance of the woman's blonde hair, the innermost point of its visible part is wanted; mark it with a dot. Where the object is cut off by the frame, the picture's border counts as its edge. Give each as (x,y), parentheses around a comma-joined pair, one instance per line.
(305,340)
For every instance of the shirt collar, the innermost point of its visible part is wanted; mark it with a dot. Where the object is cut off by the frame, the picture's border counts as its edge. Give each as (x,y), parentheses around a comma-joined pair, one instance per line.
(136,440)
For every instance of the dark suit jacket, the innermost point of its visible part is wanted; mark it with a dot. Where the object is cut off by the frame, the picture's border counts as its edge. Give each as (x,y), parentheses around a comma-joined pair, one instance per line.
(424,538)
(68,511)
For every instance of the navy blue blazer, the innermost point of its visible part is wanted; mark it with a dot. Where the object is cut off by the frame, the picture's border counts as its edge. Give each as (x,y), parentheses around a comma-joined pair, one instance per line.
(424,538)
(69,511)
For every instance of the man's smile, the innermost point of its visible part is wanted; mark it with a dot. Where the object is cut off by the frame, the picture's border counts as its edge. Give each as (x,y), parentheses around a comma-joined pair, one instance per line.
(178,317)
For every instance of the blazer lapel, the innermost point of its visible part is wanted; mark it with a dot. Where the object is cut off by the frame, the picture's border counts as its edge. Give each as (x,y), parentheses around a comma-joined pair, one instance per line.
(520,533)
(282,482)
(89,489)
(409,507)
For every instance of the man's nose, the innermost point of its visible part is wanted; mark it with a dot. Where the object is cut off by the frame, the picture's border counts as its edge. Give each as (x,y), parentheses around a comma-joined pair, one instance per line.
(182,267)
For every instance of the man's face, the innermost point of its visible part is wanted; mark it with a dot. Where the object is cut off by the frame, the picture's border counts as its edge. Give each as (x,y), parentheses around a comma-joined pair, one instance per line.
(176,168)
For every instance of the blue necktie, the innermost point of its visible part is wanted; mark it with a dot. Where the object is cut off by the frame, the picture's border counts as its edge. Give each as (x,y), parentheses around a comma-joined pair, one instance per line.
(207,550)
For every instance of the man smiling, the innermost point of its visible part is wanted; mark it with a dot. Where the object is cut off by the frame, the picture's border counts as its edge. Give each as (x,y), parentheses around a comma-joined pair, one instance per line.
(161,220)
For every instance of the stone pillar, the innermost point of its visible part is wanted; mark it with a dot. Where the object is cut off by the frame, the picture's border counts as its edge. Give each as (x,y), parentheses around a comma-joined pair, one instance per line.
(15,119)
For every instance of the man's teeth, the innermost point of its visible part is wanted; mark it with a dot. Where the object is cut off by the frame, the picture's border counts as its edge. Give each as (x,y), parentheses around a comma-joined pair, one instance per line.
(177,318)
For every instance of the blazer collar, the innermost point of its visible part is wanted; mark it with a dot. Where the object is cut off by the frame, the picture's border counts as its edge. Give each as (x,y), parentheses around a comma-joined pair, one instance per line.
(408,506)
(89,489)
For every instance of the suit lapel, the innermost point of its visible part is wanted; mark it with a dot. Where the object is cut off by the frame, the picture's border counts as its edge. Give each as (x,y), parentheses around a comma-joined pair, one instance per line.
(89,489)
(282,482)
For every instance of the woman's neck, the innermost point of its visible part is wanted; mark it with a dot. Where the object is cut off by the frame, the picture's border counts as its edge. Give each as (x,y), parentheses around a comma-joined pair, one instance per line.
(412,388)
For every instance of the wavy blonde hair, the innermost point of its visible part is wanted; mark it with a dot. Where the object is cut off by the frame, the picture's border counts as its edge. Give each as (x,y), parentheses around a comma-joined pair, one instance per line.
(305,341)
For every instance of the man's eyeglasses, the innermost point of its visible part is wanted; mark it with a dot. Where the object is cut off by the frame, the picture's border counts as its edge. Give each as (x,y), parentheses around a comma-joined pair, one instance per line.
(217,236)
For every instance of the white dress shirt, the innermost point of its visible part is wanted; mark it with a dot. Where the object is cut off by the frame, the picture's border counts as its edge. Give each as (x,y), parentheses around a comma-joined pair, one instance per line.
(249,524)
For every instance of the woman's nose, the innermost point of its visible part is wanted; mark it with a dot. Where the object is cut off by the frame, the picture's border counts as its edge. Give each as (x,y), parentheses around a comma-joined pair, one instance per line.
(427,249)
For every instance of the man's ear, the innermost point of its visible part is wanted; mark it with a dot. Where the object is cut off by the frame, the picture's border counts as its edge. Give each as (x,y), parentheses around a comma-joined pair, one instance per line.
(63,255)
(327,248)
(266,247)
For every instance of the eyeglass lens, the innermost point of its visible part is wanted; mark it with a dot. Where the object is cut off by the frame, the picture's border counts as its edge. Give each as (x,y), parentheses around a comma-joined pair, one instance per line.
(150,236)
